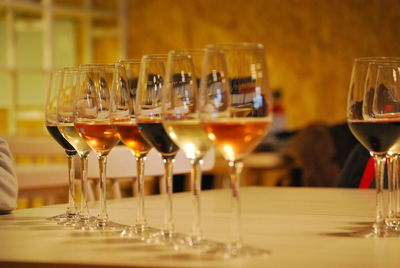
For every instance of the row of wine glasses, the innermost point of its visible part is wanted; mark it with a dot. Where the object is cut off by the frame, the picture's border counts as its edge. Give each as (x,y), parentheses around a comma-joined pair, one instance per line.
(373,115)
(192,100)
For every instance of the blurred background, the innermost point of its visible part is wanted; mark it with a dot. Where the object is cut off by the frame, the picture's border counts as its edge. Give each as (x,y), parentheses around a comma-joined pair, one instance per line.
(310,47)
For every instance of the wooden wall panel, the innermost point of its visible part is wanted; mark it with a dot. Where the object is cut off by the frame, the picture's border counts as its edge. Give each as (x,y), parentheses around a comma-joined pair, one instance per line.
(310,44)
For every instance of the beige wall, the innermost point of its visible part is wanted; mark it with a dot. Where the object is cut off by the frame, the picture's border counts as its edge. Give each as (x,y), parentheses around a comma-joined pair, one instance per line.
(310,44)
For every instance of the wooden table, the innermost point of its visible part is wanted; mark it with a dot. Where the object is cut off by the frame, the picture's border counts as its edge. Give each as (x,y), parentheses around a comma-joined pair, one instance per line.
(302,227)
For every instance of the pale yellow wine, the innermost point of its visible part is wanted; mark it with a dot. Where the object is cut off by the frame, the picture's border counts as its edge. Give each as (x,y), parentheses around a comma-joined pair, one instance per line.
(72,136)
(190,136)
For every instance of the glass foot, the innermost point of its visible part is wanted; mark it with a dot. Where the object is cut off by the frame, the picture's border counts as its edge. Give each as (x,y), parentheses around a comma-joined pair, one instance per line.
(101,225)
(85,223)
(66,218)
(57,218)
(376,231)
(138,231)
(238,251)
(169,239)
(393,223)
(200,245)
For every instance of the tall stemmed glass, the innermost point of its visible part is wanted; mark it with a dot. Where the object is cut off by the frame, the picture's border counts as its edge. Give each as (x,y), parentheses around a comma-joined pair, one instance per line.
(149,120)
(52,127)
(391,219)
(236,113)
(124,121)
(182,123)
(65,119)
(377,135)
(386,106)
(92,120)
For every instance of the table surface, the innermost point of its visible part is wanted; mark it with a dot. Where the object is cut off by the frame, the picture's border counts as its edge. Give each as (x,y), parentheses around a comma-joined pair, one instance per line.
(302,227)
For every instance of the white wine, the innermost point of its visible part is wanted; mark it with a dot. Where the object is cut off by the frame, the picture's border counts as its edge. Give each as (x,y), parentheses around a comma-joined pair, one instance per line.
(190,136)
(72,136)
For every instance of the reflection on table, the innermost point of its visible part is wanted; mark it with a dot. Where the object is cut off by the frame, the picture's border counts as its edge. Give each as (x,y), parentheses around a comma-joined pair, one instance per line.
(301,227)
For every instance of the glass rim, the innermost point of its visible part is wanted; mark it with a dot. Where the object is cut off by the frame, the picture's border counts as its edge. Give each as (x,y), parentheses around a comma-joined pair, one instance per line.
(384,63)
(104,66)
(376,59)
(76,69)
(388,65)
(56,70)
(240,45)
(155,56)
(185,52)
(127,61)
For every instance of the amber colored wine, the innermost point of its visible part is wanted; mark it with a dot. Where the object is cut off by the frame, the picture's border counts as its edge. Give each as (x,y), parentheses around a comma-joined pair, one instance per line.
(72,136)
(190,136)
(130,135)
(155,134)
(101,137)
(235,137)
(55,133)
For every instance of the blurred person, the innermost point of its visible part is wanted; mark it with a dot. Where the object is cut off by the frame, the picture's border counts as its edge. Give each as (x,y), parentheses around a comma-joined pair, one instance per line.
(358,170)
(8,180)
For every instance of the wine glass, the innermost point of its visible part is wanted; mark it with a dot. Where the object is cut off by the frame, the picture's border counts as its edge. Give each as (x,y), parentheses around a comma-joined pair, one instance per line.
(124,122)
(65,120)
(182,123)
(392,157)
(149,121)
(372,132)
(52,127)
(92,115)
(386,107)
(236,113)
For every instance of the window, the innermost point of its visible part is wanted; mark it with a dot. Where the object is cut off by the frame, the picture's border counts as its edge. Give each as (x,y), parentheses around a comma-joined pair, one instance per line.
(42,35)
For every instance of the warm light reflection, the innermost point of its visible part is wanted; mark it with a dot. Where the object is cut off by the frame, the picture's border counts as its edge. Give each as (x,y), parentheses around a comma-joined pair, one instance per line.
(190,150)
(229,151)
(247,138)
(211,136)
(172,135)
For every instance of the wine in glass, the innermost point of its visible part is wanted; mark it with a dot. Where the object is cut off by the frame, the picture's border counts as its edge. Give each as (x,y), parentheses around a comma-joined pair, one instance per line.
(65,120)
(92,120)
(182,123)
(52,127)
(377,134)
(124,121)
(236,113)
(149,120)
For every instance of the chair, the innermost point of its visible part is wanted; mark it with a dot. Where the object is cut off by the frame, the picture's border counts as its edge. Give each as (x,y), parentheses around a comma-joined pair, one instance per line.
(121,165)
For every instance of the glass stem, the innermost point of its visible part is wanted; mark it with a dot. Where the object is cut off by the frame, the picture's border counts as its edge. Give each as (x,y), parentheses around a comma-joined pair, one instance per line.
(391,162)
(168,217)
(236,168)
(379,176)
(102,218)
(141,221)
(84,188)
(71,209)
(396,185)
(195,177)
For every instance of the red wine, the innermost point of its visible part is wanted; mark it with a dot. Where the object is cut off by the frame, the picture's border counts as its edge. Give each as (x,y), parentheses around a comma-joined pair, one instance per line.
(377,136)
(55,133)
(155,134)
